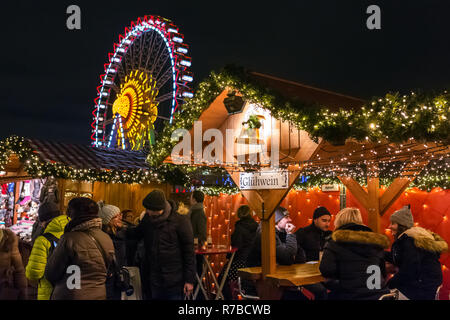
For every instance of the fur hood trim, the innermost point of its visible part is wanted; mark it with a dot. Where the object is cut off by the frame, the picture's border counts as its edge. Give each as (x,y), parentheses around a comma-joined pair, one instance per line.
(361,237)
(427,240)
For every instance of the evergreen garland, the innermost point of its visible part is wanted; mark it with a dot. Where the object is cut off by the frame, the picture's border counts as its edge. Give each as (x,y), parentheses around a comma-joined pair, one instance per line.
(395,117)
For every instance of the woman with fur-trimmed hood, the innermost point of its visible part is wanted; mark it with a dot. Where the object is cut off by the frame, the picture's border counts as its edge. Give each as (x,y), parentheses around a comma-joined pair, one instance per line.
(415,252)
(347,256)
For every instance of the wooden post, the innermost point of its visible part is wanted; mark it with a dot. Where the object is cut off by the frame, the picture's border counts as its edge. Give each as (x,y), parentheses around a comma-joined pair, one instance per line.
(268,248)
(373,190)
(61,183)
(16,198)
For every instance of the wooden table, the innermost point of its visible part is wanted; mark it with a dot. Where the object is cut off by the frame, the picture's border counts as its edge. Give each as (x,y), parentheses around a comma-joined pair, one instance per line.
(272,286)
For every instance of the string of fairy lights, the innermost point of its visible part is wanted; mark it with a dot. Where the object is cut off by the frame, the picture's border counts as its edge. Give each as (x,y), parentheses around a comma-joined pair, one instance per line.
(35,167)
(395,118)
(435,174)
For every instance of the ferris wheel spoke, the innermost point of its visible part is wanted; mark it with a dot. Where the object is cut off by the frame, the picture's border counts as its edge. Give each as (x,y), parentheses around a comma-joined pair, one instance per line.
(141,46)
(155,54)
(164,97)
(163,60)
(162,57)
(108,122)
(152,40)
(166,76)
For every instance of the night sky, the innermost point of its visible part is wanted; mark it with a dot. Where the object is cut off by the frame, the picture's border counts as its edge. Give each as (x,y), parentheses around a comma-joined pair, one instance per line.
(49,74)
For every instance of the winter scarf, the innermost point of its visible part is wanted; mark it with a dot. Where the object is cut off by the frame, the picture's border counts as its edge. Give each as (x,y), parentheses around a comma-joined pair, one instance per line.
(162,217)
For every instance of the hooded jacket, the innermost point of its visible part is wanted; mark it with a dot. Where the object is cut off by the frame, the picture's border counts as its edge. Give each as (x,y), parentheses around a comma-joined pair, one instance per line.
(11,261)
(77,248)
(39,254)
(346,260)
(169,249)
(416,253)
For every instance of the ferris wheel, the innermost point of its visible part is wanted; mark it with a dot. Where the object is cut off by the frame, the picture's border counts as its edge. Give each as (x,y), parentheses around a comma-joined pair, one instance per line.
(145,81)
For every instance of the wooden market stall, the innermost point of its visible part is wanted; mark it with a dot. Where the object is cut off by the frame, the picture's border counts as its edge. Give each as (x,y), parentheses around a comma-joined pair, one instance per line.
(236,130)
(86,166)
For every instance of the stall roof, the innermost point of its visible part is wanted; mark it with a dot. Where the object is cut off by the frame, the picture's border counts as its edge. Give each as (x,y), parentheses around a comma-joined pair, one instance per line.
(88,157)
(298,91)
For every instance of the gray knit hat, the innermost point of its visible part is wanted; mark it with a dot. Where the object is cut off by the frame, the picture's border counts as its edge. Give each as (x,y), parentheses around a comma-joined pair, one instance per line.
(403,217)
(107,212)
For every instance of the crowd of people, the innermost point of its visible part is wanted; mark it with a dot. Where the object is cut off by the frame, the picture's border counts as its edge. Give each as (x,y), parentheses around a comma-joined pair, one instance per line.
(83,253)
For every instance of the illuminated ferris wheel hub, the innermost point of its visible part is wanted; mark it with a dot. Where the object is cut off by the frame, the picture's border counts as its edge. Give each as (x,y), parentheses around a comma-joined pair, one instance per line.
(145,81)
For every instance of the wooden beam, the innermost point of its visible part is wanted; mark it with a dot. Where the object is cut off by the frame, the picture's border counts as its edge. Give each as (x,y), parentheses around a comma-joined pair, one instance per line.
(357,191)
(393,193)
(369,200)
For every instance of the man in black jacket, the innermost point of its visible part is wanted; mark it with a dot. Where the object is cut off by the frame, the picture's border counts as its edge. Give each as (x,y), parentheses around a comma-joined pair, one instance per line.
(169,249)
(313,237)
(312,240)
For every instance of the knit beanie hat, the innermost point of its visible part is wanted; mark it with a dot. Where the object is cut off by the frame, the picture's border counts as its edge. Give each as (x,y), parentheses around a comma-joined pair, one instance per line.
(320,211)
(280,213)
(107,212)
(82,207)
(48,211)
(403,217)
(155,200)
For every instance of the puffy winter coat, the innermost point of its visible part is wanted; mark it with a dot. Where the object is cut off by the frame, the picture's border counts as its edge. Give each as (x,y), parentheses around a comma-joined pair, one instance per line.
(312,240)
(346,259)
(77,248)
(416,254)
(39,254)
(169,249)
(11,266)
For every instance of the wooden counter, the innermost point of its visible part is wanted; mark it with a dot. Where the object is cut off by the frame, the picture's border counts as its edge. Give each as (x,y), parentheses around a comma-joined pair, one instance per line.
(285,276)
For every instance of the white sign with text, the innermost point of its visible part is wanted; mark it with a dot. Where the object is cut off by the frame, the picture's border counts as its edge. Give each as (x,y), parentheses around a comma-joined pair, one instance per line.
(264,180)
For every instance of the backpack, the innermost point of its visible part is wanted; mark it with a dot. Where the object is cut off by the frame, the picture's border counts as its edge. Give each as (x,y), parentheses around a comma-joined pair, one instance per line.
(53,242)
